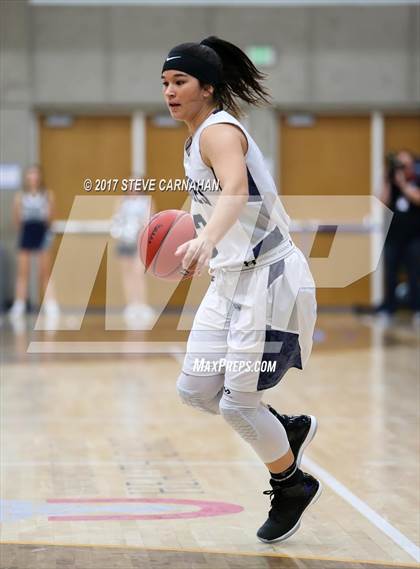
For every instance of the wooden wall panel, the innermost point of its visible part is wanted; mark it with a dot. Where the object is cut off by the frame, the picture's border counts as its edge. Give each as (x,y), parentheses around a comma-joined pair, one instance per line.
(90,147)
(329,158)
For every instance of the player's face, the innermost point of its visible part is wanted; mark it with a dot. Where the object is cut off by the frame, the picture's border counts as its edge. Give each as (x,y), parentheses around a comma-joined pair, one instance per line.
(183,94)
(33,178)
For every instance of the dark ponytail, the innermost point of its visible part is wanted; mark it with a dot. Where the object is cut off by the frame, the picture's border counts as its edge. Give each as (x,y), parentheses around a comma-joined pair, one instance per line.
(240,78)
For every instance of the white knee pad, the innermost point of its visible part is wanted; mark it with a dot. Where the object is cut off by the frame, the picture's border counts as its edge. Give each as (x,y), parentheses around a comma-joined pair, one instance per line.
(240,410)
(255,424)
(202,392)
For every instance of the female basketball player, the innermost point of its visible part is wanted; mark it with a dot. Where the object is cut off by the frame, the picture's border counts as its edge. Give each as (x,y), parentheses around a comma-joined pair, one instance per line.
(260,307)
(33,210)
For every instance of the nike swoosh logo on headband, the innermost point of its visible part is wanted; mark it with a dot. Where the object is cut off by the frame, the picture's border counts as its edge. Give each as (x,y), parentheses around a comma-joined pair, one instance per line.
(174,57)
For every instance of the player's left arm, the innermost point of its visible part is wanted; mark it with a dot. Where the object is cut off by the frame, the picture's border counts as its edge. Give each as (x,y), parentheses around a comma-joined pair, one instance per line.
(223,148)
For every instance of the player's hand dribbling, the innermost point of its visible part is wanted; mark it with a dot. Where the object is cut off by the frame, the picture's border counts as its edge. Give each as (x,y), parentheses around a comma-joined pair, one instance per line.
(197,250)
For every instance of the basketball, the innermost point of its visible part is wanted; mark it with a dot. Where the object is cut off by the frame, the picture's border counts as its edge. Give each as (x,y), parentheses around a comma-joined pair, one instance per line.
(159,240)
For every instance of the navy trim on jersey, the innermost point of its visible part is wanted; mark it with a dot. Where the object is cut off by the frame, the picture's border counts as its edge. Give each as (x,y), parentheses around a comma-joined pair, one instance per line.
(252,187)
(187,146)
(216,178)
(269,242)
(276,270)
(284,349)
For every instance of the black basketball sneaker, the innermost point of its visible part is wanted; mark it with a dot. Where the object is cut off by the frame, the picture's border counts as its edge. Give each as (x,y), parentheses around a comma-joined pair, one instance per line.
(300,430)
(288,503)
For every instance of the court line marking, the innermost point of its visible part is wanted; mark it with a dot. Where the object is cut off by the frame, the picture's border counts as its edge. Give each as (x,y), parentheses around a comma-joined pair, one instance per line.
(213,551)
(175,352)
(138,462)
(143,461)
(366,511)
(100,347)
(337,487)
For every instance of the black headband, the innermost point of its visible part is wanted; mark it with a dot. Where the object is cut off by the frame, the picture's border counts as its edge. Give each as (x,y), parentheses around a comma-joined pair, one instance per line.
(198,67)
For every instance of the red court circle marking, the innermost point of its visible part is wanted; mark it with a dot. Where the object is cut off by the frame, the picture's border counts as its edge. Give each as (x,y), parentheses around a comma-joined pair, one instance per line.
(206,509)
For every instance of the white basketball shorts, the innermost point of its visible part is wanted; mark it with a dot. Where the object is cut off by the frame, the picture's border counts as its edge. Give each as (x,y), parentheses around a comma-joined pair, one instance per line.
(253,325)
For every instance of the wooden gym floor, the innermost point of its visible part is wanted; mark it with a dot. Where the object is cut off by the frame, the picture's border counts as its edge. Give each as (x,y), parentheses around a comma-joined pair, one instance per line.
(103,467)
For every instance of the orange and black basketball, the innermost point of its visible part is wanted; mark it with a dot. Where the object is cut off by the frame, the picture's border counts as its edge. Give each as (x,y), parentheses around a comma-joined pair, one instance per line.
(159,240)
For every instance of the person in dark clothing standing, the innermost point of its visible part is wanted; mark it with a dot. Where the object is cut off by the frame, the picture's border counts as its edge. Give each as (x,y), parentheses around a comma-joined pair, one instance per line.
(401,193)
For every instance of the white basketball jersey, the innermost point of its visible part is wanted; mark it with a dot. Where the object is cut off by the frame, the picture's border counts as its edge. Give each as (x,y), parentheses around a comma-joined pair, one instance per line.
(35,207)
(262,230)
